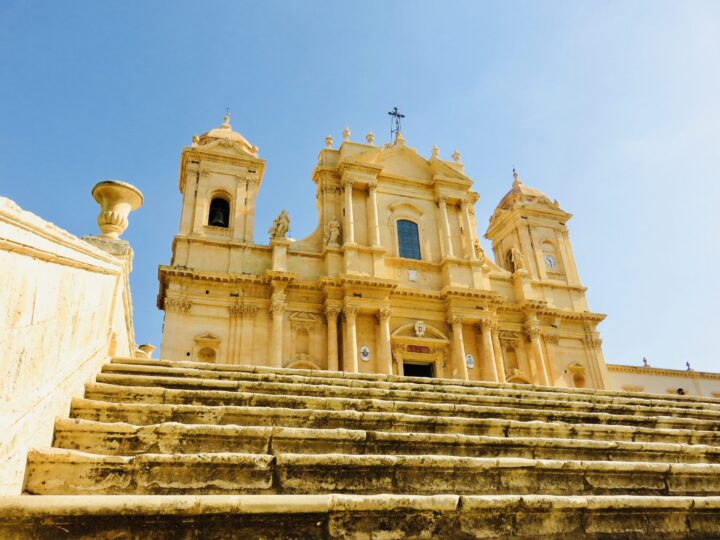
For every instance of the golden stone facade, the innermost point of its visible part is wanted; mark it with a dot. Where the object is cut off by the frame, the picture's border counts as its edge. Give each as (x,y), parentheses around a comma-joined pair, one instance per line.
(393,280)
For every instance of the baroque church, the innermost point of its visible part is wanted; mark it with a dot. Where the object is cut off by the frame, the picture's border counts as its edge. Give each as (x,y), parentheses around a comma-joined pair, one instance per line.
(393,280)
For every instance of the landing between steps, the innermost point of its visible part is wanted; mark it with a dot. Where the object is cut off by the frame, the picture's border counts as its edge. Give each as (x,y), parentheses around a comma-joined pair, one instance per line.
(357,516)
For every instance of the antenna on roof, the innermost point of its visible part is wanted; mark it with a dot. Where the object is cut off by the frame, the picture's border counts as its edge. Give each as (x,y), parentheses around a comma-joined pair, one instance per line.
(395,122)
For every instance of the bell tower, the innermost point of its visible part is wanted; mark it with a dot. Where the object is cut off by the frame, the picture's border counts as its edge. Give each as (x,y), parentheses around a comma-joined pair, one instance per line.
(220,175)
(529,235)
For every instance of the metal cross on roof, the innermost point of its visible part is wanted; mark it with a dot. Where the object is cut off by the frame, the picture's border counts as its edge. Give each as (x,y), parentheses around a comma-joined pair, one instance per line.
(395,122)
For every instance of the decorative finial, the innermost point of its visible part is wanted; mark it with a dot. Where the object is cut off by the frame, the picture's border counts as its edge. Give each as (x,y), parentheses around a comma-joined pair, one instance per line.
(226,121)
(196,139)
(328,142)
(346,134)
(370,138)
(435,152)
(399,139)
(516,178)
(645,362)
(456,156)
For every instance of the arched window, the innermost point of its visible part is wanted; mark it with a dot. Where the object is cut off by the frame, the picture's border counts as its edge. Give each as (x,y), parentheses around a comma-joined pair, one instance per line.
(219,215)
(408,239)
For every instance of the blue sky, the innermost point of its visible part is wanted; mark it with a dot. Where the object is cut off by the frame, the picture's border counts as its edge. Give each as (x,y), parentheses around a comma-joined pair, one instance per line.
(611,107)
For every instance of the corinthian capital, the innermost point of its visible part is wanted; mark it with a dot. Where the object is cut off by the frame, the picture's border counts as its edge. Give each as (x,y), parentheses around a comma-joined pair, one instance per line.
(383,314)
(350,311)
(454,319)
(332,312)
(372,186)
(177,305)
(347,183)
(484,324)
(277,307)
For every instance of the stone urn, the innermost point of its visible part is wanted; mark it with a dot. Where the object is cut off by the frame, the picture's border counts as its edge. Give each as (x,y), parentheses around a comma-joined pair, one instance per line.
(147,349)
(116,199)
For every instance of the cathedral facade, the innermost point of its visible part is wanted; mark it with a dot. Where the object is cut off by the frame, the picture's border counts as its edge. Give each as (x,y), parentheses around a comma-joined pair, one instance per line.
(393,280)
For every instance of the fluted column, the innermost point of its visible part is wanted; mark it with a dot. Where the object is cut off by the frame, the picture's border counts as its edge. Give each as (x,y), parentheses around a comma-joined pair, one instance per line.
(277,307)
(497,349)
(458,350)
(373,226)
(349,228)
(487,349)
(469,233)
(385,353)
(445,226)
(331,314)
(350,359)
(533,334)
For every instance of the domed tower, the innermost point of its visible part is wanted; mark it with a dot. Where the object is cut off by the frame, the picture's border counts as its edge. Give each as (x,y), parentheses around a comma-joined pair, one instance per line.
(529,234)
(530,240)
(219,179)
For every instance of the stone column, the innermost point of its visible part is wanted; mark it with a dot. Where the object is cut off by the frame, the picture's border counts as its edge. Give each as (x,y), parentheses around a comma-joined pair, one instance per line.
(235,312)
(277,307)
(469,233)
(445,226)
(459,367)
(533,334)
(385,353)
(488,353)
(497,349)
(349,225)
(331,315)
(350,360)
(373,226)
(246,333)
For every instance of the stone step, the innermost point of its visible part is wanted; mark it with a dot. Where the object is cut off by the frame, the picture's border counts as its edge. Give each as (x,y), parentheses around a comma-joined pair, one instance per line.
(445,391)
(149,394)
(329,391)
(62,472)
(330,517)
(147,414)
(359,378)
(126,439)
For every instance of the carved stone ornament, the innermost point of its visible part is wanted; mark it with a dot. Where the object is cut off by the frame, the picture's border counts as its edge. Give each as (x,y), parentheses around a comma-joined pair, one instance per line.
(277,307)
(280,226)
(350,311)
(177,305)
(383,314)
(332,312)
(420,328)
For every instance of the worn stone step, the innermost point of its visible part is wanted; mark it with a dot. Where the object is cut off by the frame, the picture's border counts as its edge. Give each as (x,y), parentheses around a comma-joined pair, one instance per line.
(330,517)
(126,439)
(375,378)
(443,391)
(148,394)
(313,390)
(145,414)
(58,471)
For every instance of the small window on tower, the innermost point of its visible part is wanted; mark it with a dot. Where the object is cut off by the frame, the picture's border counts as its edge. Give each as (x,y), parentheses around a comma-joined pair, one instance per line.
(408,239)
(219,215)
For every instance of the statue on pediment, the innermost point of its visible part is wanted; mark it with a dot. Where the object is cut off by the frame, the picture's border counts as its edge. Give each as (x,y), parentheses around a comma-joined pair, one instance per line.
(280,226)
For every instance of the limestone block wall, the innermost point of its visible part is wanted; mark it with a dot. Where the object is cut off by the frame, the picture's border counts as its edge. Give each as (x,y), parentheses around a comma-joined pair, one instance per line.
(663,381)
(64,306)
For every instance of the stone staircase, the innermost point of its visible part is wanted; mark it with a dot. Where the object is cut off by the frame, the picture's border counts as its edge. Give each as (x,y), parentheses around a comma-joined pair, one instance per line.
(160,449)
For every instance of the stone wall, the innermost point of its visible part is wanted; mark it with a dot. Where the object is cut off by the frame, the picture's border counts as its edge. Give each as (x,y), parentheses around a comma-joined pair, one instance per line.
(663,381)
(65,305)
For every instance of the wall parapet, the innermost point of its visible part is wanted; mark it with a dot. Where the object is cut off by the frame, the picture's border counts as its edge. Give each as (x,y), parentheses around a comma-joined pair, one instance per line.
(65,306)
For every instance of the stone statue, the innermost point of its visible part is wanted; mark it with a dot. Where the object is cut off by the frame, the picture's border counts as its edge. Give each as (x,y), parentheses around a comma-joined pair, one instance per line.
(479,252)
(333,234)
(280,226)
(516,259)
